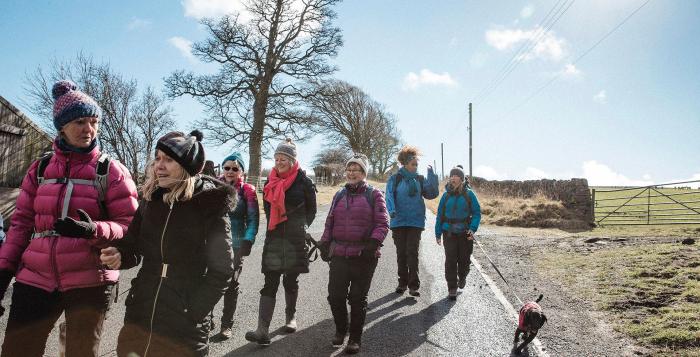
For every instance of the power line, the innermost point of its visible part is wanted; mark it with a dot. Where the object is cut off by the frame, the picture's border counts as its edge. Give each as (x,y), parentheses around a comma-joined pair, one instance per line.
(557,11)
(546,84)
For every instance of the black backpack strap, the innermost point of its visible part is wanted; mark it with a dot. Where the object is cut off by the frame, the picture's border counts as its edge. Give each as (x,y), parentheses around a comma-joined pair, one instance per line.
(338,196)
(43,163)
(397,180)
(369,194)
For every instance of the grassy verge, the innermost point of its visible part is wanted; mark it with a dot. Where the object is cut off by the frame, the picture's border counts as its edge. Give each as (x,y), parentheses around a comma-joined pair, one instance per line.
(653,291)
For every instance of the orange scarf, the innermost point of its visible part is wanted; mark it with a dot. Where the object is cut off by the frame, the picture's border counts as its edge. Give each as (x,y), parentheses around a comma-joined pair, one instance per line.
(274,191)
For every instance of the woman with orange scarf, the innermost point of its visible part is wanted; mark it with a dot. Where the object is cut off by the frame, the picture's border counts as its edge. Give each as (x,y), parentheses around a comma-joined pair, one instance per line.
(289,199)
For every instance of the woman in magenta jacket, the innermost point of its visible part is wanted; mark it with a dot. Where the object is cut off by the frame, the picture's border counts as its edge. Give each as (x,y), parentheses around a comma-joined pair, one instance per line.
(61,221)
(356,226)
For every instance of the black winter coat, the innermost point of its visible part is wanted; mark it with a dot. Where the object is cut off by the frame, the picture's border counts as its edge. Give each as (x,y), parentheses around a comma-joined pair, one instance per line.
(285,249)
(194,242)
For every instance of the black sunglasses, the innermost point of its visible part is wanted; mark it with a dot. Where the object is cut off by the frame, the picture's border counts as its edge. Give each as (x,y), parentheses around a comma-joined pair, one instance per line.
(235,169)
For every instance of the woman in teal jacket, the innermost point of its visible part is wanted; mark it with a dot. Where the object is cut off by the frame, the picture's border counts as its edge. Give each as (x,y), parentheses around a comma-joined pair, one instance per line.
(457,220)
(244,227)
(404,201)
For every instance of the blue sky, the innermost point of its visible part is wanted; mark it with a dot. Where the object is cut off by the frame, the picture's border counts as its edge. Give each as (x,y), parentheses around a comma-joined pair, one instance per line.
(627,113)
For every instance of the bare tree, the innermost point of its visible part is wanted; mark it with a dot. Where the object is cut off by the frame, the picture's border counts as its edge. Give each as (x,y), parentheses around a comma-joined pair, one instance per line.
(349,116)
(131,123)
(265,66)
(330,162)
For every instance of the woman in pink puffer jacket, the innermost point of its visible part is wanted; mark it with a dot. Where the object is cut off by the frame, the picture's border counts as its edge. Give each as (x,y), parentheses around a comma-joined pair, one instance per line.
(58,228)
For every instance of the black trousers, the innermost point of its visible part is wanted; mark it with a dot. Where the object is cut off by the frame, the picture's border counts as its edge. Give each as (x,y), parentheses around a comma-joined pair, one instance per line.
(458,250)
(231,294)
(355,274)
(407,241)
(34,313)
(272,283)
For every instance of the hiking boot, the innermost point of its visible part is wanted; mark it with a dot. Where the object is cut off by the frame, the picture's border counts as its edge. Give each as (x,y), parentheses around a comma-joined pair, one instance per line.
(338,340)
(400,289)
(226,333)
(462,282)
(413,292)
(290,325)
(266,310)
(352,347)
(452,294)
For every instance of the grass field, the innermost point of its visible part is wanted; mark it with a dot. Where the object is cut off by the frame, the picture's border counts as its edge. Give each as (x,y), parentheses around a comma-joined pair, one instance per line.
(642,206)
(653,290)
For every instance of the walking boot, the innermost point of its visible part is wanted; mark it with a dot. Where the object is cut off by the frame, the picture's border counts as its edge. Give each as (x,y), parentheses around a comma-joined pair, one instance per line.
(452,293)
(291,322)
(262,334)
(353,347)
(338,339)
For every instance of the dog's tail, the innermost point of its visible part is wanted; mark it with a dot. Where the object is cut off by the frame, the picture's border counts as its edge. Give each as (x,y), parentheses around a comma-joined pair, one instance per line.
(539,298)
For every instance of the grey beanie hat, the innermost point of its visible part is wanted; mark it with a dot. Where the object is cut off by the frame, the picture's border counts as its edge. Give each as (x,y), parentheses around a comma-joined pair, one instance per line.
(457,171)
(287,148)
(360,159)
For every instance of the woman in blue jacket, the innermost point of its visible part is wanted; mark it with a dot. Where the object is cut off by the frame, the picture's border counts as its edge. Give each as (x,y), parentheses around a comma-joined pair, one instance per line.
(457,220)
(244,227)
(405,191)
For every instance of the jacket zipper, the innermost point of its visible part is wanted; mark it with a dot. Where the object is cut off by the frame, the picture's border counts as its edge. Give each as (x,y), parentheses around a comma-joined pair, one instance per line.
(163,274)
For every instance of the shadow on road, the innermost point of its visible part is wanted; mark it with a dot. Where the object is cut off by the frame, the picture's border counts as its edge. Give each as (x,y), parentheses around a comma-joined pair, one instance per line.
(389,332)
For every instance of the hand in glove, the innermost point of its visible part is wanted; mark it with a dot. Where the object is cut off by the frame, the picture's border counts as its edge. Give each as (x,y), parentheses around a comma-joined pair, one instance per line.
(69,227)
(5,278)
(370,250)
(246,246)
(470,235)
(325,248)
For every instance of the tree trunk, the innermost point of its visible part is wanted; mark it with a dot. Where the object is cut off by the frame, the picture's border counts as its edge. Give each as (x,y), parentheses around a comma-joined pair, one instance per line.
(256,139)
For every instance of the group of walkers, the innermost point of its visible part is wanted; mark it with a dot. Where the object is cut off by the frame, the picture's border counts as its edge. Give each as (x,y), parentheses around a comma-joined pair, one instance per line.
(79,219)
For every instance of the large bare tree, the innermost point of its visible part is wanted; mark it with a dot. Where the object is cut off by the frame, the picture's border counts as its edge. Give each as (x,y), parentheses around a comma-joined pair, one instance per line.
(265,66)
(350,116)
(131,121)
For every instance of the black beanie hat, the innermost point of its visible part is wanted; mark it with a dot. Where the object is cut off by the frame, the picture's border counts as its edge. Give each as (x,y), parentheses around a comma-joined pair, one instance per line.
(457,171)
(185,150)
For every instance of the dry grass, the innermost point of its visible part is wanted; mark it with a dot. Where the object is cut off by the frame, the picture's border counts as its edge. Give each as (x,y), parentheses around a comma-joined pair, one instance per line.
(536,212)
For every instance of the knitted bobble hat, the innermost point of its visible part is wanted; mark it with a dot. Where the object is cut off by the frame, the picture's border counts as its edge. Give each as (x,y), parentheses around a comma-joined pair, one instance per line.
(70,104)
(360,159)
(287,148)
(185,150)
(457,171)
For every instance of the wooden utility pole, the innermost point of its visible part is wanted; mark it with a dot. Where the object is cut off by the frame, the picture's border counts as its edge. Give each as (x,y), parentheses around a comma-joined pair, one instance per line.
(442,160)
(470,141)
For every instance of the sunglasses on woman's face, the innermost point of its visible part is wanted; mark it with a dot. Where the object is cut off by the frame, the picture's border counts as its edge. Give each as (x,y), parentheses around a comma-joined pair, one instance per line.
(227,168)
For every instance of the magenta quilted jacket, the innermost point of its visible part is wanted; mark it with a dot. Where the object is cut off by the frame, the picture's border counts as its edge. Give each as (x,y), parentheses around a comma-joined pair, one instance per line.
(58,262)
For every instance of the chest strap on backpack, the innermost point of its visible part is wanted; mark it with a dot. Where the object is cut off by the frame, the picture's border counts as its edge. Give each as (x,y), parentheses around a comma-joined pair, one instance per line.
(100,182)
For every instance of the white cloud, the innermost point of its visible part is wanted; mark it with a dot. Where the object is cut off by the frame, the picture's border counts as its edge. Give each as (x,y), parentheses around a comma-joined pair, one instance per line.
(532,173)
(137,23)
(570,71)
(527,11)
(599,174)
(488,173)
(199,9)
(548,45)
(426,77)
(601,97)
(184,46)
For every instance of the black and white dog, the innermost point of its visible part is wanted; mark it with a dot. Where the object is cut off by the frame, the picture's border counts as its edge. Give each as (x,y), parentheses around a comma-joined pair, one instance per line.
(530,321)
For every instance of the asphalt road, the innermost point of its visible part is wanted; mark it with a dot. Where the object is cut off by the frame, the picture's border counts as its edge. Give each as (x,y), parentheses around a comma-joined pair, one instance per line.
(397,325)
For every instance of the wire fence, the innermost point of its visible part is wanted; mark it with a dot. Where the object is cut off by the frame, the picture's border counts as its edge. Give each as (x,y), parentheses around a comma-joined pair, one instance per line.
(670,203)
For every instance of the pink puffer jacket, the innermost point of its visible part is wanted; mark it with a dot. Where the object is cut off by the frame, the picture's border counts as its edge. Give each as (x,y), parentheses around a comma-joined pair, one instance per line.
(60,262)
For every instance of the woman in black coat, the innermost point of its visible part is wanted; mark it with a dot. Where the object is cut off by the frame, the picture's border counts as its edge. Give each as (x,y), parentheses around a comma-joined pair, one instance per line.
(290,207)
(181,234)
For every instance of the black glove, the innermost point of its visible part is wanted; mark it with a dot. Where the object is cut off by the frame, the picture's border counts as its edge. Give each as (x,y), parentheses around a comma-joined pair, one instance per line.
(246,246)
(325,249)
(5,278)
(69,227)
(370,250)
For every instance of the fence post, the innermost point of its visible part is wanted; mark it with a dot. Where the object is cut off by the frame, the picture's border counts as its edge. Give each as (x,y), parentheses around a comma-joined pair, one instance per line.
(593,204)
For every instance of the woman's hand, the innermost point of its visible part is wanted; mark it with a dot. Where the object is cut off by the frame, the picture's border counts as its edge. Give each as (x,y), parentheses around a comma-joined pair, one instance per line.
(111,257)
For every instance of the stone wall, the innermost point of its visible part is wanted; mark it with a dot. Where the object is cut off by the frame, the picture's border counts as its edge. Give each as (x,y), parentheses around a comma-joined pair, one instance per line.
(574,194)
